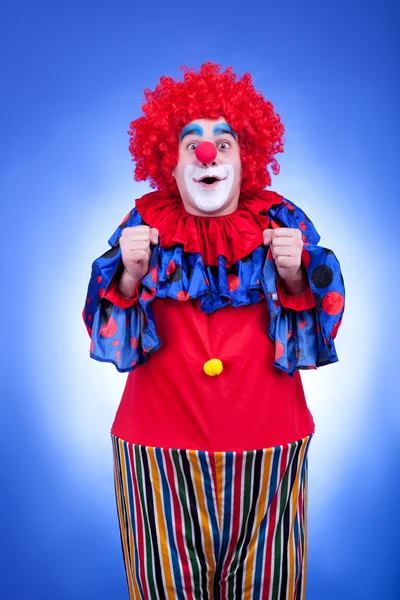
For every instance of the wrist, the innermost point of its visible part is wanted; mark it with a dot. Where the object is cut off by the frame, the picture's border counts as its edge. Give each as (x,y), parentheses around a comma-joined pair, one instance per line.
(296,284)
(127,284)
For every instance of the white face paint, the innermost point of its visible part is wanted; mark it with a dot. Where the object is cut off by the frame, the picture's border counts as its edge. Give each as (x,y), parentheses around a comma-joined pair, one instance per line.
(213,198)
(209,196)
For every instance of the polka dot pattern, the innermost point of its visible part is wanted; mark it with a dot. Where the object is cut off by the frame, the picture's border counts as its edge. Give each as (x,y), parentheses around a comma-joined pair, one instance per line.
(322,276)
(233,282)
(333,303)
(154,274)
(183,296)
(109,329)
(279,350)
(171,267)
(335,328)
(176,275)
(303,338)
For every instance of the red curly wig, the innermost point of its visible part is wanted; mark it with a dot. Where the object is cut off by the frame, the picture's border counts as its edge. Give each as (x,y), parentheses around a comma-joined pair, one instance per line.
(208,94)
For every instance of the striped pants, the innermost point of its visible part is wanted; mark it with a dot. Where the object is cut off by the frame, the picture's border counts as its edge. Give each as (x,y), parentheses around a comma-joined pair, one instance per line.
(202,525)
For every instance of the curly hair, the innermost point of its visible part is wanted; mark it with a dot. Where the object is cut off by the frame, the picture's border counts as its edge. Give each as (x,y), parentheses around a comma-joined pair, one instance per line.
(209,94)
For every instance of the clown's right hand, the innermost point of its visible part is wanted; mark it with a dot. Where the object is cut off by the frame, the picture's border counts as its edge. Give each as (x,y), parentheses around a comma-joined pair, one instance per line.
(135,250)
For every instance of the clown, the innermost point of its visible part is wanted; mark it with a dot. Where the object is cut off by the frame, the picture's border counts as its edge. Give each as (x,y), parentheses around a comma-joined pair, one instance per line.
(213,296)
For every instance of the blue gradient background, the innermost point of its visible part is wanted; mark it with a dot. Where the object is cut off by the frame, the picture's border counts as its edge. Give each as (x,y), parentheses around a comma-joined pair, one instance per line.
(72,78)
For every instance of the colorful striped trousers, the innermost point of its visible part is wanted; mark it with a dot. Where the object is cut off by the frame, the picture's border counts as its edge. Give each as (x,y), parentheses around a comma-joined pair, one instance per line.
(202,525)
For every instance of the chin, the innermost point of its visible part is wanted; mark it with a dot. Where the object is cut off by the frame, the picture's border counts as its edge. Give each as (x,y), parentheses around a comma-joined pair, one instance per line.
(209,205)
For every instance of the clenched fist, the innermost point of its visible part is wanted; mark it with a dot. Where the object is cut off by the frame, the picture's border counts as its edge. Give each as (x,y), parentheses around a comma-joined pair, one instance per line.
(286,247)
(135,249)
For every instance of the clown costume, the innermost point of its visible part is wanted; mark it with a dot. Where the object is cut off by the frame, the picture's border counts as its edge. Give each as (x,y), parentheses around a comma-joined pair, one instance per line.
(213,295)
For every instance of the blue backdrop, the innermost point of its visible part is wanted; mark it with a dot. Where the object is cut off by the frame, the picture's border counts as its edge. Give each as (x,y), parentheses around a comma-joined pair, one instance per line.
(72,77)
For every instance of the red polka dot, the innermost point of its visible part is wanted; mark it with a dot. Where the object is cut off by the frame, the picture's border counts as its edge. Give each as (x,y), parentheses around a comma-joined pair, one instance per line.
(305,258)
(289,334)
(233,282)
(290,206)
(109,329)
(333,303)
(88,300)
(92,346)
(335,328)
(206,281)
(302,324)
(303,226)
(115,343)
(134,342)
(89,317)
(171,267)
(154,274)
(279,350)
(118,354)
(134,363)
(182,296)
(99,279)
(101,292)
(304,238)
(148,295)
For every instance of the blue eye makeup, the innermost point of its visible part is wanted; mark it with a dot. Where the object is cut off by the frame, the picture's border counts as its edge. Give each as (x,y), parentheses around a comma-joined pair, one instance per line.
(193,128)
(223,128)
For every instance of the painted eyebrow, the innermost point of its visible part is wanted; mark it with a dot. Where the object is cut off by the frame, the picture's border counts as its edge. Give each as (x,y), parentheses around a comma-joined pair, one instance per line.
(195,128)
(223,128)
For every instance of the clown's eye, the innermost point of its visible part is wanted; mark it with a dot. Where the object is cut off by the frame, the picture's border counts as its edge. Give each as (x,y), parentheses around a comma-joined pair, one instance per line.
(224,146)
(193,146)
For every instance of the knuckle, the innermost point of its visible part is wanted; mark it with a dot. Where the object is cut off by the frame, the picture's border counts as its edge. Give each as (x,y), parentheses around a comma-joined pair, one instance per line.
(128,230)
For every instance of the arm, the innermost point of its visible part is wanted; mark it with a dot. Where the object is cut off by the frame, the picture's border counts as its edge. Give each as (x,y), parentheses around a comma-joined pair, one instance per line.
(120,329)
(303,326)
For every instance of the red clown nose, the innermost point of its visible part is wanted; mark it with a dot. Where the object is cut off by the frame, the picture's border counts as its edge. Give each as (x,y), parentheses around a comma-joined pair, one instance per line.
(206,152)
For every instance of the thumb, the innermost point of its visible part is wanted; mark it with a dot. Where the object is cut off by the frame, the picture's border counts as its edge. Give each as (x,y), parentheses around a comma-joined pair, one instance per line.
(267,234)
(154,234)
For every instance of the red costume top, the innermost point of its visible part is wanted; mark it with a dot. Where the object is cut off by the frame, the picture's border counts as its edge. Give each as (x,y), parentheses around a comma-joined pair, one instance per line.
(169,401)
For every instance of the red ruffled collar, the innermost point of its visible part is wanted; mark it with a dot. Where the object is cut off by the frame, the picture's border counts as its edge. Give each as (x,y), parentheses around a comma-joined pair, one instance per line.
(233,236)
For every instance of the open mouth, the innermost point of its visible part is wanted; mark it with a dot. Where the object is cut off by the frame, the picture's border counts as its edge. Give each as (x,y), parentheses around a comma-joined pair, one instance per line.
(209,181)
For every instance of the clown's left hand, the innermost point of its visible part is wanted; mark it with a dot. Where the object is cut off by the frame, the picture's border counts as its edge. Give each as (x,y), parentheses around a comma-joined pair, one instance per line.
(286,247)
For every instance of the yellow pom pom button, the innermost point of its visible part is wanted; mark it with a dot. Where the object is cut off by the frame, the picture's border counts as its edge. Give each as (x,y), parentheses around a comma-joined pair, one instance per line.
(213,367)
